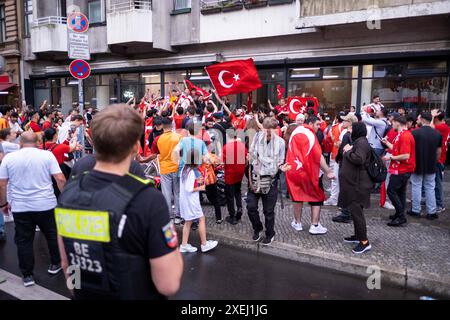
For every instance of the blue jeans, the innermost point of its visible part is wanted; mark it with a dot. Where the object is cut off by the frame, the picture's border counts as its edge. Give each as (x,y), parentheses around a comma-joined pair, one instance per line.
(379,152)
(428,183)
(438,189)
(2,223)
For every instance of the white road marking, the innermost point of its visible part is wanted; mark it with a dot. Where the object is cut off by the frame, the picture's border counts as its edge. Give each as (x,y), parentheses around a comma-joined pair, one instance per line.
(14,287)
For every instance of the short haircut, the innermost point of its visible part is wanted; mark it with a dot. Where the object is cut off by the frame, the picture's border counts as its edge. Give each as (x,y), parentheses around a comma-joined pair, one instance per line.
(77,117)
(190,127)
(166,122)
(4,133)
(49,134)
(191,110)
(210,108)
(400,119)
(375,97)
(270,123)
(441,115)
(312,120)
(157,121)
(385,112)
(14,115)
(115,131)
(180,110)
(426,116)
(310,104)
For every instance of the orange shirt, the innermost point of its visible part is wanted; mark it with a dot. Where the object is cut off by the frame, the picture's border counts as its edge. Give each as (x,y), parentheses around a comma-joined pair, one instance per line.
(335,134)
(3,123)
(166,144)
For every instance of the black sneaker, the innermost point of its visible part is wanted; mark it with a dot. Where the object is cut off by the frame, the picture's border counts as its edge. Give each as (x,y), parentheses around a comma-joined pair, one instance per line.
(351,239)
(28,281)
(361,248)
(393,217)
(432,216)
(54,268)
(257,236)
(2,235)
(413,214)
(342,218)
(267,240)
(194,226)
(231,220)
(239,215)
(397,222)
(219,221)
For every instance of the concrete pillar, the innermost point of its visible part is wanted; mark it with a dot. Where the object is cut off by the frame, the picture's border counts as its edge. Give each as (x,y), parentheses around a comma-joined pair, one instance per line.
(66,100)
(102,97)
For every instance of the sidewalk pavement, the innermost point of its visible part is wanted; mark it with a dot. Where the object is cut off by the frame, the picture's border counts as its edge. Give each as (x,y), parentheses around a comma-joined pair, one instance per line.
(415,256)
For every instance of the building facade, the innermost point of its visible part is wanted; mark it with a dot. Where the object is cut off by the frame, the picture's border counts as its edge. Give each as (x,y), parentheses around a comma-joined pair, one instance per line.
(341,51)
(11,33)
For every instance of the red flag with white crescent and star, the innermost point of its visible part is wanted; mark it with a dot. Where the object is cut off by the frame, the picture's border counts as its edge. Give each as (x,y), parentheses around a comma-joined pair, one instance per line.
(304,154)
(232,77)
(299,105)
(200,91)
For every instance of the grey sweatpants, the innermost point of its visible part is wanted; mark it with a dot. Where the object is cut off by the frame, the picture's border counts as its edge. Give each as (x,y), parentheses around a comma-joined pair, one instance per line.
(170,187)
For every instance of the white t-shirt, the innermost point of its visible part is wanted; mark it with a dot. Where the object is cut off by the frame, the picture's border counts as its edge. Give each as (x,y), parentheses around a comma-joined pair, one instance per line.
(29,172)
(63,132)
(9,147)
(190,207)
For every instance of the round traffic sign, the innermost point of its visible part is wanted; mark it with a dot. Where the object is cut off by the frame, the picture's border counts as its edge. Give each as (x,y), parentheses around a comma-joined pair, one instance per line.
(78,22)
(80,69)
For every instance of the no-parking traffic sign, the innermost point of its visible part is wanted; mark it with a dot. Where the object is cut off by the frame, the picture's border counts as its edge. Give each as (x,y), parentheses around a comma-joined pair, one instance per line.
(80,69)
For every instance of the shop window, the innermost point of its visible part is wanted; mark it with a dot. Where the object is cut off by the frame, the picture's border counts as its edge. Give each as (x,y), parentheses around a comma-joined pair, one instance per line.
(304,73)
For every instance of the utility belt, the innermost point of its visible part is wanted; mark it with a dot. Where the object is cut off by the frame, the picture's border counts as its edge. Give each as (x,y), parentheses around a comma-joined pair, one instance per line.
(260,184)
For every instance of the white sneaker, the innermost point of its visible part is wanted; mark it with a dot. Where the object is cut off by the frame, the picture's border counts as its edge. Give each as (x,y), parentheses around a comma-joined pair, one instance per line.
(330,202)
(210,244)
(388,205)
(187,248)
(177,220)
(317,230)
(297,226)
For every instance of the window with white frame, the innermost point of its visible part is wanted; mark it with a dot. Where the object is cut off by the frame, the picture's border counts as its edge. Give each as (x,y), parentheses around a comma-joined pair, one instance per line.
(28,16)
(2,23)
(96,11)
(182,4)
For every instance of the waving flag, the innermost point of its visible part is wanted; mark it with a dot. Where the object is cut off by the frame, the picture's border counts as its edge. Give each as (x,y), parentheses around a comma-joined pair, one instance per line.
(199,90)
(298,105)
(304,154)
(234,77)
(280,92)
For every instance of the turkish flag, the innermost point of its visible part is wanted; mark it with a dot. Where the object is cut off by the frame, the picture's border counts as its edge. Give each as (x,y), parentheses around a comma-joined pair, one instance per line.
(298,105)
(199,90)
(250,102)
(234,77)
(304,154)
(280,92)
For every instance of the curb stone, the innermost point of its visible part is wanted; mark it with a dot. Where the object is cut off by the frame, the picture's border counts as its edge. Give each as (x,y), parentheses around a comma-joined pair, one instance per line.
(407,278)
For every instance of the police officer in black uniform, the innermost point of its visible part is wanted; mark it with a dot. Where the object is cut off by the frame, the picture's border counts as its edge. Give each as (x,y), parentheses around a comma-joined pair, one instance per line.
(114,232)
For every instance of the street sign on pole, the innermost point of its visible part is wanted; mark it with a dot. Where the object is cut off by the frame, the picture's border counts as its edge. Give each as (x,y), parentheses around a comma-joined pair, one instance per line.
(80,69)
(78,43)
(78,22)
(79,46)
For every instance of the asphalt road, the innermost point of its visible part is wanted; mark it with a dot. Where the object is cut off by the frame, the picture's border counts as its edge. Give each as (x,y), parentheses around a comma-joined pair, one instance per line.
(229,273)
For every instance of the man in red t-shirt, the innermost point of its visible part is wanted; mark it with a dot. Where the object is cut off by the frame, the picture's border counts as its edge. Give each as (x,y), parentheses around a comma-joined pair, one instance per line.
(48,123)
(234,155)
(403,163)
(439,124)
(34,123)
(178,117)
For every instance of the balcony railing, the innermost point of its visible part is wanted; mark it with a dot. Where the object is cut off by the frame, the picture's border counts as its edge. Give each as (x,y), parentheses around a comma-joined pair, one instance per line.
(49,20)
(127,5)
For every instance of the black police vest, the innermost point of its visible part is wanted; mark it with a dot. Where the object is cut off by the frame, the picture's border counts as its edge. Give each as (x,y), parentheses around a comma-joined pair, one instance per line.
(91,224)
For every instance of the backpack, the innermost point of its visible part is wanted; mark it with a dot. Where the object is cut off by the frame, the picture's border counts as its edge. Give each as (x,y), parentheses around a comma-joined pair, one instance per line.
(376,169)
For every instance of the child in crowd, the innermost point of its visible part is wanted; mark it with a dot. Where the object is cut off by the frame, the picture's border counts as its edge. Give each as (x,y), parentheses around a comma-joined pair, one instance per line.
(191,183)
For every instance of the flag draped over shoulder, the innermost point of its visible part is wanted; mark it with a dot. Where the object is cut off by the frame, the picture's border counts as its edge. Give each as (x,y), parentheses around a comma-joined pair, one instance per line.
(304,154)
(232,77)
